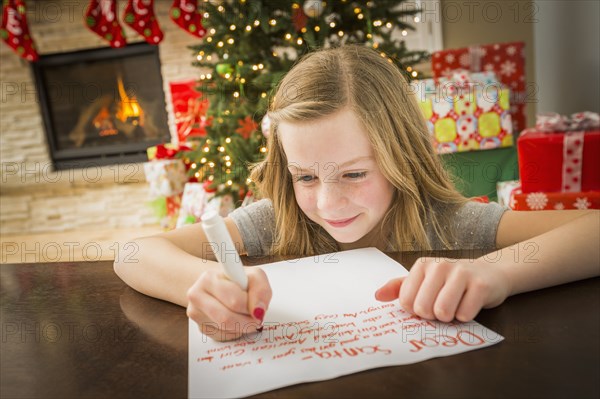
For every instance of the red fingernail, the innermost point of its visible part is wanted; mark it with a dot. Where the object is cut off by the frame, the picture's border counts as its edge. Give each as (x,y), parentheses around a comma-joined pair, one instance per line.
(259,313)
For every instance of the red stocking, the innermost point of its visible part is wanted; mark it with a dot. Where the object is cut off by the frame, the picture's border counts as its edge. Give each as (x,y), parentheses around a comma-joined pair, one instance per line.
(15,31)
(101,18)
(139,14)
(185,14)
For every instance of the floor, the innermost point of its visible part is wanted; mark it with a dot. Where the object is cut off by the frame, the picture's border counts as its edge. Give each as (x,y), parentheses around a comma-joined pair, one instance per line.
(89,245)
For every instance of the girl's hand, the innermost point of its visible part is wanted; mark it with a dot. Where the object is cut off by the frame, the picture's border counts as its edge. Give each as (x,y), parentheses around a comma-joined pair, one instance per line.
(223,310)
(448,289)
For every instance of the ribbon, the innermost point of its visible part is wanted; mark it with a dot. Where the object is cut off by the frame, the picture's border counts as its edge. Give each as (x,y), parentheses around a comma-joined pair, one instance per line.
(553,122)
(574,128)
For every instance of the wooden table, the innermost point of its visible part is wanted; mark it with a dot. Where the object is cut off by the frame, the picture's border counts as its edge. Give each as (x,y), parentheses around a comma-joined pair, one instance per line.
(75,330)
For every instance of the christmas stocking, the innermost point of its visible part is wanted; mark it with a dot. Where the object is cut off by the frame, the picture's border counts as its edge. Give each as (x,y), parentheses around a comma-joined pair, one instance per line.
(185,14)
(101,18)
(139,14)
(15,31)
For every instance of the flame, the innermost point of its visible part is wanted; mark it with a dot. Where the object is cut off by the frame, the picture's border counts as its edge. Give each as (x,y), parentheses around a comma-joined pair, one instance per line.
(129,106)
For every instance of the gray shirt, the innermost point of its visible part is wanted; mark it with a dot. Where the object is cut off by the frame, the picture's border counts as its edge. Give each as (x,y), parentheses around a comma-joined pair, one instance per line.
(475,226)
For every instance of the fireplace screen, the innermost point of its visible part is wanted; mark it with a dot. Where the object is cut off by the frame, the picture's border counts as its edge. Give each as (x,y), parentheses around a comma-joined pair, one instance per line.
(102,106)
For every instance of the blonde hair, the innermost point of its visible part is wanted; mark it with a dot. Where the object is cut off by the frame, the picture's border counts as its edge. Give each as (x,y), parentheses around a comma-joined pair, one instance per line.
(324,82)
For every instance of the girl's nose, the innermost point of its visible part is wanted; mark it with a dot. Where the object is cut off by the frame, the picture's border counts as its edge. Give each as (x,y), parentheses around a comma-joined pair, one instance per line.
(331,198)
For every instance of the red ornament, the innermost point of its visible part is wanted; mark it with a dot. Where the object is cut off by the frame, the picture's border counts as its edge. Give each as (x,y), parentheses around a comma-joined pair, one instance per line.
(101,18)
(185,14)
(15,31)
(139,14)
(247,127)
(299,19)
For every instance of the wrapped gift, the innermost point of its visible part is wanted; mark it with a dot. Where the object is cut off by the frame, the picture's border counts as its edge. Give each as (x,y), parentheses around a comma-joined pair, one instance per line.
(193,203)
(506,190)
(189,107)
(507,60)
(167,177)
(548,201)
(166,210)
(467,112)
(561,154)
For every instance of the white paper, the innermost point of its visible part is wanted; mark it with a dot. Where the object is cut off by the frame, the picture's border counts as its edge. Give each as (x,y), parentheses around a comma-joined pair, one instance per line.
(324,322)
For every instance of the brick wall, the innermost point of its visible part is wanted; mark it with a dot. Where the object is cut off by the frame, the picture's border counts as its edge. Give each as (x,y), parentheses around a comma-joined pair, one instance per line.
(33,198)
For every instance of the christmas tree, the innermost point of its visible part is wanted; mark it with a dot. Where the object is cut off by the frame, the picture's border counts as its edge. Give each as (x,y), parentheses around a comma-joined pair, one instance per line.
(249,46)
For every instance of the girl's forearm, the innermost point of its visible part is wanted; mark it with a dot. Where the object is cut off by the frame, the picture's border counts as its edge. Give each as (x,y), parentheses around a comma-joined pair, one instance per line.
(567,253)
(160,269)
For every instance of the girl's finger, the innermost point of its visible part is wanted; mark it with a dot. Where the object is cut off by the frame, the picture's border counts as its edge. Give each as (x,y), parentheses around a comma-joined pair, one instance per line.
(428,292)
(227,292)
(222,316)
(390,291)
(470,304)
(259,294)
(410,286)
(449,298)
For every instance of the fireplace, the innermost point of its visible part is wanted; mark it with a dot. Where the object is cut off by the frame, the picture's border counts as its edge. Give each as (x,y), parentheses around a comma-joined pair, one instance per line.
(102,106)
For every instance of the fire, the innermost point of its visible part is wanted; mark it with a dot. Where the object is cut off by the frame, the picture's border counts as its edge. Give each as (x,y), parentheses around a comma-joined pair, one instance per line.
(129,108)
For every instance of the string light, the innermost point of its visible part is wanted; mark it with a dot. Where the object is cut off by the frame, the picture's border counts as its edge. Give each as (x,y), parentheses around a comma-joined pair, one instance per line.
(203,160)
(229,182)
(388,25)
(211,164)
(414,74)
(248,28)
(212,31)
(206,149)
(194,165)
(272,22)
(221,148)
(360,16)
(228,140)
(263,149)
(232,27)
(404,32)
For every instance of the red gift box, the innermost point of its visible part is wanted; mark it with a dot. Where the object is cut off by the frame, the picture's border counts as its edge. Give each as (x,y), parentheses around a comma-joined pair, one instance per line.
(547,201)
(190,109)
(507,60)
(556,156)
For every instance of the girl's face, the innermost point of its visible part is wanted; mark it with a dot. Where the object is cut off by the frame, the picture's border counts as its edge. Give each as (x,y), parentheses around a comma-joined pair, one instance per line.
(337,182)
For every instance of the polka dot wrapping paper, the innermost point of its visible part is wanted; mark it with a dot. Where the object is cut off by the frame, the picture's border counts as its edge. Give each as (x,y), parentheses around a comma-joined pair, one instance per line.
(506,60)
(466,112)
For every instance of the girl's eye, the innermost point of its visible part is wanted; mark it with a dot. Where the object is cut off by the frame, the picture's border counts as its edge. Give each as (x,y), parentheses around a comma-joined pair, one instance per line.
(356,175)
(304,179)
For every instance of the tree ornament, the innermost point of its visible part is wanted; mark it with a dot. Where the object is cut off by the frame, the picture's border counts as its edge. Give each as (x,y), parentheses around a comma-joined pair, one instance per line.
(223,69)
(313,8)
(139,14)
(247,127)
(185,14)
(265,125)
(15,31)
(101,18)
(299,18)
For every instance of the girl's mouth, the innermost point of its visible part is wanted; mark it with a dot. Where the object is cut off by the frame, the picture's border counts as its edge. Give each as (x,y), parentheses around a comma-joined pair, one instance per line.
(341,222)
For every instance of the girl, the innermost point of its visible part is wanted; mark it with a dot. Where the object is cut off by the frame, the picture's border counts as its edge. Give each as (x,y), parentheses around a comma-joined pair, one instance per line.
(350,165)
